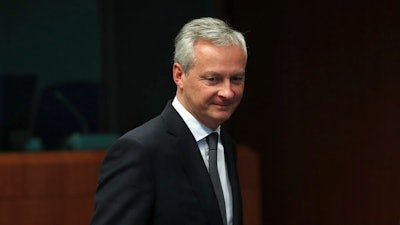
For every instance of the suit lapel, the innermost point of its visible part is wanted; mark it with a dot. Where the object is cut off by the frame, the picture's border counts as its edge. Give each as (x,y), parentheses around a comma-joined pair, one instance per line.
(198,175)
(193,164)
(231,159)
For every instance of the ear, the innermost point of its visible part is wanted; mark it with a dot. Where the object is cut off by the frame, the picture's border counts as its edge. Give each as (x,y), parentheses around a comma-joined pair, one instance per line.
(178,73)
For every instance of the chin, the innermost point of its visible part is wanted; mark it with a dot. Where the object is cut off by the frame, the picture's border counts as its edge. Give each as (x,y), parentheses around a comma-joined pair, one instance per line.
(223,118)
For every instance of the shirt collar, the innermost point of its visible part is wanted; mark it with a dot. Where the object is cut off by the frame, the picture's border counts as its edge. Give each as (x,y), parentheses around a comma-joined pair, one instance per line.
(199,130)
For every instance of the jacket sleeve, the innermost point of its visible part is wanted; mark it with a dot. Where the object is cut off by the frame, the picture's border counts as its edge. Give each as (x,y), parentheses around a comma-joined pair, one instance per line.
(125,190)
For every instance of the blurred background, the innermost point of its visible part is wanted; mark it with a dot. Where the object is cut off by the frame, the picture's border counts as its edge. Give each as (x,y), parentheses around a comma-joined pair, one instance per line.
(321,106)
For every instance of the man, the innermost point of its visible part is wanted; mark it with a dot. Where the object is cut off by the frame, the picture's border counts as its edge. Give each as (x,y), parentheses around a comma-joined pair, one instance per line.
(158,173)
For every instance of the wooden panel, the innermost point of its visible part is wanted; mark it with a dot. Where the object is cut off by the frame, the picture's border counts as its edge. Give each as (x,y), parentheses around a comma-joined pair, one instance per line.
(49,188)
(250,182)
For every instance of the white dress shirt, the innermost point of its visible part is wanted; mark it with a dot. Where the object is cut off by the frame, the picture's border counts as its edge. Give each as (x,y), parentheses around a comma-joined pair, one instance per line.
(200,132)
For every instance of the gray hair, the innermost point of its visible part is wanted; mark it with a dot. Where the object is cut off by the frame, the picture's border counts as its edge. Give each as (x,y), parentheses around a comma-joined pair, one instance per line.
(209,29)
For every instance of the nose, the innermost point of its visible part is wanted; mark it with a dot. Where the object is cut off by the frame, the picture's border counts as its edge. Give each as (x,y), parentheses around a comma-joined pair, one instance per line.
(226,90)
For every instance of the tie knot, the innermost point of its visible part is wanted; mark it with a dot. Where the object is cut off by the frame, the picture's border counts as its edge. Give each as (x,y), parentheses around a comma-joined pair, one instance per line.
(212,141)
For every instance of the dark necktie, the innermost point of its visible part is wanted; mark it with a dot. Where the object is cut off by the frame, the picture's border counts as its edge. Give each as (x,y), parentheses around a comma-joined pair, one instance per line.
(212,141)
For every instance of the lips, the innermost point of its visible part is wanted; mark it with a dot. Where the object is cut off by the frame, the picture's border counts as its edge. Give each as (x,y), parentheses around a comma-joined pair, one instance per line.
(224,107)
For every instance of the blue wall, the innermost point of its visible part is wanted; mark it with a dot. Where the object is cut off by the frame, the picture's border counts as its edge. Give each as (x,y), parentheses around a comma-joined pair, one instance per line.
(125,46)
(55,40)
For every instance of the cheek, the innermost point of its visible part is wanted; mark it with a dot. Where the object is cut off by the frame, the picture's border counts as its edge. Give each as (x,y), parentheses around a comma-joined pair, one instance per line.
(198,95)
(239,91)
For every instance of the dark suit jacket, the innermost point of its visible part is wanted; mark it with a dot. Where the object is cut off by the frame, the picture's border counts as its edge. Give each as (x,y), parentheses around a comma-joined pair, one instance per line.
(155,174)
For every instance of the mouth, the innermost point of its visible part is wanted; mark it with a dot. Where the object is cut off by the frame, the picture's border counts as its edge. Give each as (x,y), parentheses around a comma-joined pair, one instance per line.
(223,107)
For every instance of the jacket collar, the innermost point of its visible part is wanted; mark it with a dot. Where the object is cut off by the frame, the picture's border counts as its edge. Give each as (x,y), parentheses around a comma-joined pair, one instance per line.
(193,163)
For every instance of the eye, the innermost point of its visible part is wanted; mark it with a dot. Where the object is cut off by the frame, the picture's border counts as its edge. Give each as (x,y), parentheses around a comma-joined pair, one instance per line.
(237,79)
(212,79)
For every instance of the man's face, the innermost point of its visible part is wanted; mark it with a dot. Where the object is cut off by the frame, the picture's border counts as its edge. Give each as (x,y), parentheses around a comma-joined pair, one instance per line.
(213,88)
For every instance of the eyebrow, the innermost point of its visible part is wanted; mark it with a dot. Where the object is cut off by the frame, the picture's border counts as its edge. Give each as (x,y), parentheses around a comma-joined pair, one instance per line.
(219,74)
